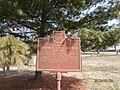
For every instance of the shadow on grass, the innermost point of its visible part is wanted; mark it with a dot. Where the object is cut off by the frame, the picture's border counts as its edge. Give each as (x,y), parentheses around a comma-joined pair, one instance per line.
(48,82)
(11,73)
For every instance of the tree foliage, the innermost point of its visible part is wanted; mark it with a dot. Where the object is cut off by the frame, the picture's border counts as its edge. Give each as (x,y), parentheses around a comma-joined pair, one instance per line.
(41,17)
(13,52)
(98,40)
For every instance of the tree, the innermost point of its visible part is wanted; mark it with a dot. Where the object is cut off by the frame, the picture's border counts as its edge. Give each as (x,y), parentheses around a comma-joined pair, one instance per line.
(41,17)
(13,51)
(36,18)
(97,40)
(98,43)
(112,37)
(85,43)
(91,40)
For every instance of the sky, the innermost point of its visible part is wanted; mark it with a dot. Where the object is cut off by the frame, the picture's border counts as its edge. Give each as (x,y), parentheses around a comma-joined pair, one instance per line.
(105,4)
(112,22)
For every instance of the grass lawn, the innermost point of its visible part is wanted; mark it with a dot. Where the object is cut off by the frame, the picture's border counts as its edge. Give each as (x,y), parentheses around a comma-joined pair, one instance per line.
(102,72)
(99,72)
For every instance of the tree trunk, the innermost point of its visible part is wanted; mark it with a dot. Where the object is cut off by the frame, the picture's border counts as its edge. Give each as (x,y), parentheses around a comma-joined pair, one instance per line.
(117,52)
(3,68)
(98,52)
(8,67)
(37,75)
(115,46)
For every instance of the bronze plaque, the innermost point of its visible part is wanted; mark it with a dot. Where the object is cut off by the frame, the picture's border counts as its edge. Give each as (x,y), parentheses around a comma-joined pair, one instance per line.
(58,53)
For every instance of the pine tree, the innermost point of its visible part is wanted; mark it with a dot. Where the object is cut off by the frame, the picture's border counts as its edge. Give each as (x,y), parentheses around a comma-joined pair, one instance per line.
(13,52)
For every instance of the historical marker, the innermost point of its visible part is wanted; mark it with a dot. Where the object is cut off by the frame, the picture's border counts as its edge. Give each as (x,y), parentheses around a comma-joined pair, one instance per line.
(58,53)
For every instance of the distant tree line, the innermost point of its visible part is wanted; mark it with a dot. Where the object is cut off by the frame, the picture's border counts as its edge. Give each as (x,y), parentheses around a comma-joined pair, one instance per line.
(98,40)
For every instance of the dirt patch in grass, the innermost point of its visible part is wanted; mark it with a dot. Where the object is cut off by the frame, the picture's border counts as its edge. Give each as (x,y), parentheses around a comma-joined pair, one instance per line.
(48,82)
